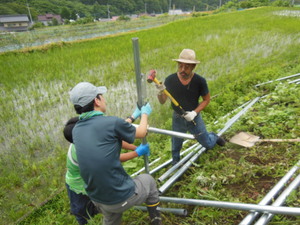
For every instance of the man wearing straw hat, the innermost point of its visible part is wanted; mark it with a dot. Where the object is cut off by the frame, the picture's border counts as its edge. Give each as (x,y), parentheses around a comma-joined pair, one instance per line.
(98,142)
(187,87)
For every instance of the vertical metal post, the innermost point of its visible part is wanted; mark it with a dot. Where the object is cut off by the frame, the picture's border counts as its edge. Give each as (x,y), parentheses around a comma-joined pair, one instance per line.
(141,87)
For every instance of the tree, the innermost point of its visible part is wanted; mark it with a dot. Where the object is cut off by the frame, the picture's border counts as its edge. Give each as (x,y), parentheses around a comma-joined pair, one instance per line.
(73,15)
(5,10)
(99,11)
(54,22)
(65,13)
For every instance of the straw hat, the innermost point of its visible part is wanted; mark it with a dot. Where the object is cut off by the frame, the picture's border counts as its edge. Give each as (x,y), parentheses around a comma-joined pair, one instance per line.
(187,56)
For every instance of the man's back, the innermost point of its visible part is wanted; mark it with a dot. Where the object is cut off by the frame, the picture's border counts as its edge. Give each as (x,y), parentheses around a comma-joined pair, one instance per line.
(98,142)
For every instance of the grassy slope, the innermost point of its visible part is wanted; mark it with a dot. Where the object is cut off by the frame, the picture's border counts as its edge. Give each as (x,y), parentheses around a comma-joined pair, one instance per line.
(237,50)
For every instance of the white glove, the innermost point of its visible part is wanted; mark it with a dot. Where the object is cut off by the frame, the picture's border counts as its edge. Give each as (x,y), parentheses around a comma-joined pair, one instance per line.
(160,87)
(190,115)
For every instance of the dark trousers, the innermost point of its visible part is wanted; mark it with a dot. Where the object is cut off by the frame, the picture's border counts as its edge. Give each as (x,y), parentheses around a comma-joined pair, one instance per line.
(81,206)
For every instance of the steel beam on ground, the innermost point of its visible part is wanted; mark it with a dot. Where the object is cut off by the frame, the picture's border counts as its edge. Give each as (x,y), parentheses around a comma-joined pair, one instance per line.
(237,206)
(179,172)
(170,160)
(264,219)
(230,113)
(279,79)
(231,121)
(274,191)
(179,212)
(238,115)
(177,165)
(141,170)
(294,81)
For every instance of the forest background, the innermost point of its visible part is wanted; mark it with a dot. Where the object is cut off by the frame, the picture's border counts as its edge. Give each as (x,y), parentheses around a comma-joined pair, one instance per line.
(69,9)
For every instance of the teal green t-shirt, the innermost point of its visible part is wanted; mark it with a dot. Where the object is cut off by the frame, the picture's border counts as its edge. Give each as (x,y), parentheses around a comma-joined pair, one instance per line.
(98,140)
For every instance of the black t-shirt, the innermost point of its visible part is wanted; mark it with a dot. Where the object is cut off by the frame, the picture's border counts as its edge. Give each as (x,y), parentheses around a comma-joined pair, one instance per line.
(186,95)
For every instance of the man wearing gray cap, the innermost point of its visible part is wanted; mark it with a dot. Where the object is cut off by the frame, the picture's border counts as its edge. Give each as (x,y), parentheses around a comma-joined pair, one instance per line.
(98,141)
(187,87)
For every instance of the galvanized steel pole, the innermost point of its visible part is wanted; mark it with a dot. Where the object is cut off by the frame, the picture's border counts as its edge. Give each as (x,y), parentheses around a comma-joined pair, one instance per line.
(237,206)
(172,180)
(274,191)
(179,212)
(141,88)
(170,160)
(169,132)
(264,219)
(279,79)
(238,115)
(177,165)
(142,169)
(169,182)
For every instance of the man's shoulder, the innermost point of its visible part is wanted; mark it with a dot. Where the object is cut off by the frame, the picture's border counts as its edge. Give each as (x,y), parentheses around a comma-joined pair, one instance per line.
(199,77)
(171,76)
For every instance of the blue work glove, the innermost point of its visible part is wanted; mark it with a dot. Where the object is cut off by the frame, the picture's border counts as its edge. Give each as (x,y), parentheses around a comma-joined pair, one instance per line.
(146,109)
(137,113)
(143,150)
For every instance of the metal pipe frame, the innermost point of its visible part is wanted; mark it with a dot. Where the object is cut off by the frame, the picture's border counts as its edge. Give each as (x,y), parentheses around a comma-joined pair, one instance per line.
(179,212)
(170,160)
(237,206)
(230,113)
(169,132)
(141,89)
(274,191)
(279,79)
(172,180)
(177,165)
(142,169)
(294,81)
(264,219)
(169,182)
(238,115)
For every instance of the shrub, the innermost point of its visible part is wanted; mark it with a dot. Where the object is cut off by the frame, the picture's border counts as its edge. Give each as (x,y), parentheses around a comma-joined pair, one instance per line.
(123,18)
(37,25)
(280,3)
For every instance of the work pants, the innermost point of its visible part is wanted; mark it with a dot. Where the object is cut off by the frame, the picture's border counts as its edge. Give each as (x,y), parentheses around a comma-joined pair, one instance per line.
(145,192)
(179,124)
(81,206)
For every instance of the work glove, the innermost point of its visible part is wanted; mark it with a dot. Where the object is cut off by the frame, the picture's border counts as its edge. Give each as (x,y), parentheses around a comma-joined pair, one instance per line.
(143,150)
(146,109)
(137,113)
(160,87)
(190,115)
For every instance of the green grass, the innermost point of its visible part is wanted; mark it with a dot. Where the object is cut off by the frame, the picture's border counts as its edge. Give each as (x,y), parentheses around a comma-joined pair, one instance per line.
(237,50)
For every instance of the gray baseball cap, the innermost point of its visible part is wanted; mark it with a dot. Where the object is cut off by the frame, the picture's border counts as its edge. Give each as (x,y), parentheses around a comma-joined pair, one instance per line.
(83,93)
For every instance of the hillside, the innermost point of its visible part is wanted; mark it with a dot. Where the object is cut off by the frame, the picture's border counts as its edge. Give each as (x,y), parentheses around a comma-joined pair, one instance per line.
(101,8)
(237,51)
